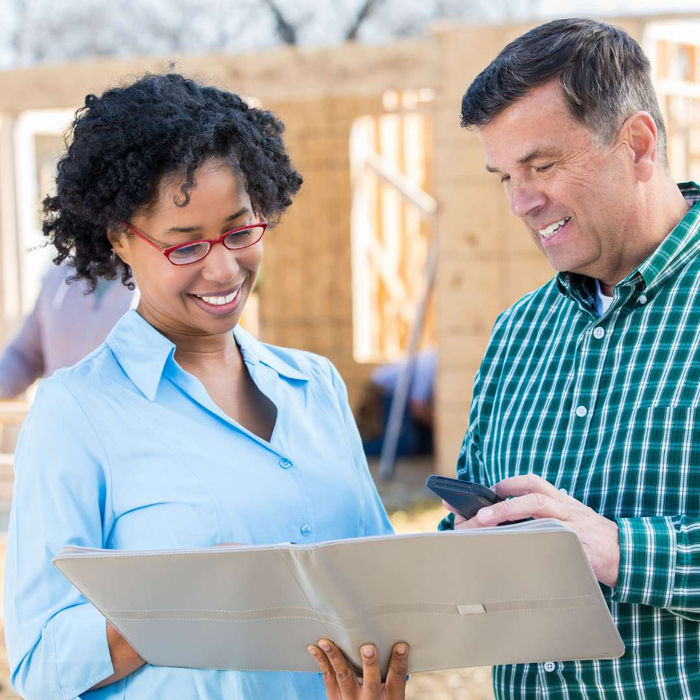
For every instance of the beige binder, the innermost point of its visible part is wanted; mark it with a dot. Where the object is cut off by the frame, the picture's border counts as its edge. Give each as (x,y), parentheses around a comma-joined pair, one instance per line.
(521,593)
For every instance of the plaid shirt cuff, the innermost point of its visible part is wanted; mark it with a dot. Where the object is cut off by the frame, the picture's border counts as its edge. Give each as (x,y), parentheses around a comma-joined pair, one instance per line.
(647,561)
(448,522)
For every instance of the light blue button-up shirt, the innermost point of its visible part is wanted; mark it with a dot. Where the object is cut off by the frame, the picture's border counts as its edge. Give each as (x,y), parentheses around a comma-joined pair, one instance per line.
(126,450)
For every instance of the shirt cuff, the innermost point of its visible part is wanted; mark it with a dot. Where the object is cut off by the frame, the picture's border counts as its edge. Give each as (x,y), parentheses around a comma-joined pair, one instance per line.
(447,523)
(647,561)
(80,648)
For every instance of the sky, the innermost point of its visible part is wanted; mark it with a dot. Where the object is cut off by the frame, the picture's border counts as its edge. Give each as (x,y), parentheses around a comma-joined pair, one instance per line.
(190,22)
(611,7)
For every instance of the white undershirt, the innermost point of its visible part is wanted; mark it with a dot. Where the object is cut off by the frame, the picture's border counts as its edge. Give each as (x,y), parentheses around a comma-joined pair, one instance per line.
(602,301)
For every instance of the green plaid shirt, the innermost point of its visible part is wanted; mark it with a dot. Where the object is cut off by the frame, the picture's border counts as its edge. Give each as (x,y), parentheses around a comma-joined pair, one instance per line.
(608,408)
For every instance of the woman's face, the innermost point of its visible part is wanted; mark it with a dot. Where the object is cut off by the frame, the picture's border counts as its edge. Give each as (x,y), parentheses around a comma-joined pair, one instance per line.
(177,300)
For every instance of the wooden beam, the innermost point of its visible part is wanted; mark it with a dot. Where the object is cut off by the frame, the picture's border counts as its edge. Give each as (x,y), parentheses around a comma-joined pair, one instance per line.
(281,74)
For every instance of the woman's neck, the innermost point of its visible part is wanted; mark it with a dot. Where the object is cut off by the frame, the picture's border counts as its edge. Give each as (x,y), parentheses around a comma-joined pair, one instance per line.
(207,355)
(198,350)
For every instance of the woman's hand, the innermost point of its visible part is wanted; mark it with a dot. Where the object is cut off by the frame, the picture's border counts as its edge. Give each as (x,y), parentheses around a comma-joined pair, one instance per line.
(341,682)
(125,659)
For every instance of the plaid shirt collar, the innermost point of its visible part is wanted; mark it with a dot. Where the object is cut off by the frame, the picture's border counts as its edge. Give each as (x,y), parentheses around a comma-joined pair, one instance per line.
(680,246)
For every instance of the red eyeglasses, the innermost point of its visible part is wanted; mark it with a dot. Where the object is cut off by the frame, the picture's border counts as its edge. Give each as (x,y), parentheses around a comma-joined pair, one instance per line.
(194,251)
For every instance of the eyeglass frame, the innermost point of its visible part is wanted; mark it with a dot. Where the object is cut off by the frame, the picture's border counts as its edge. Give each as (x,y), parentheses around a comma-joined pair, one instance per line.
(211,241)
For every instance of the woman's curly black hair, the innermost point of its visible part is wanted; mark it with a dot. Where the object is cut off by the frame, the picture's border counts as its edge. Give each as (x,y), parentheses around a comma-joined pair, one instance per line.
(123,143)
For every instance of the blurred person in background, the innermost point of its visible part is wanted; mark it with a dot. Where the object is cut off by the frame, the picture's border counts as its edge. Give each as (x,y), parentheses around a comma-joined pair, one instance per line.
(416,436)
(65,325)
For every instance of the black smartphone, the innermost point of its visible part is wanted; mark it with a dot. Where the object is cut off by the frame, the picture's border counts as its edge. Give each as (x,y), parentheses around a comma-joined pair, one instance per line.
(465,496)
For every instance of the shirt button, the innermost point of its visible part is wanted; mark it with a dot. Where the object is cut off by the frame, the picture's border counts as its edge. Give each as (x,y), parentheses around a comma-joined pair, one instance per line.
(598,332)
(549,666)
(285,464)
(305,530)
(643,300)
(581,411)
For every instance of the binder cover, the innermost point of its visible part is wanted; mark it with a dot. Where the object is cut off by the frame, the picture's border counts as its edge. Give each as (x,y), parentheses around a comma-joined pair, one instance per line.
(514,594)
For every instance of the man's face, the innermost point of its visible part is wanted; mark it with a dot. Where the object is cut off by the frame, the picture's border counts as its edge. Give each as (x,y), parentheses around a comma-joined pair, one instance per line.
(576,198)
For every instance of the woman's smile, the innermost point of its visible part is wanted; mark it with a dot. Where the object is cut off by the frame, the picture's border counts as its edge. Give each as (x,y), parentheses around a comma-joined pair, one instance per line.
(219,304)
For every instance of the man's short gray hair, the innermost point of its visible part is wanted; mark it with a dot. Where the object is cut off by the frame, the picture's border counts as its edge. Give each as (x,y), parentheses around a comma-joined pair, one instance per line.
(604,73)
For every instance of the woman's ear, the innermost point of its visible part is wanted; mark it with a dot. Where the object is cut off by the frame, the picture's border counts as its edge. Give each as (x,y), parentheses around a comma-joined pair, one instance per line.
(118,243)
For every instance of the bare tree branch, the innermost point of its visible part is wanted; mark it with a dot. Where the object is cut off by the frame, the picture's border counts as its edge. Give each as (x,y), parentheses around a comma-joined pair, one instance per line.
(365,11)
(19,41)
(286,31)
(46,30)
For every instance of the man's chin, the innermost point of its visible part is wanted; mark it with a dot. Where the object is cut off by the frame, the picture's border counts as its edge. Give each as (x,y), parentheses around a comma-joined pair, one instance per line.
(578,267)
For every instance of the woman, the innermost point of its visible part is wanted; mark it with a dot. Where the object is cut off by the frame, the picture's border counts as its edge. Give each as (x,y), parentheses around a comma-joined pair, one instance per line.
(181,430)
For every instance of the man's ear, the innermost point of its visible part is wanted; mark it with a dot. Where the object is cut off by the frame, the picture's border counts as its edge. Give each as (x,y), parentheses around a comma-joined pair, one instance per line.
(642,137)
(117,241)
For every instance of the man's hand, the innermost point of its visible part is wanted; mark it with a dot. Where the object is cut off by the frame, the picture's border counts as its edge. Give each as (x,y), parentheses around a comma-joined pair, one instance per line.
(341,682)
(533,497)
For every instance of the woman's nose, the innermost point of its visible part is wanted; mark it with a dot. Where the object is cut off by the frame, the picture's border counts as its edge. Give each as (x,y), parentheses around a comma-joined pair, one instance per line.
(221,265)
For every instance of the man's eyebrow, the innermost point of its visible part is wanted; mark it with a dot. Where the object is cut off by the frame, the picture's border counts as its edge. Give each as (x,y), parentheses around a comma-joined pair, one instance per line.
(533,155)
(538,153)
(193,229)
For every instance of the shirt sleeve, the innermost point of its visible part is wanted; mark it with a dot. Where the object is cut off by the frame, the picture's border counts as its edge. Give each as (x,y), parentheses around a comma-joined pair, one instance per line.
(424,376)
(56,640)
(374,518)
(22,363)
(660,564)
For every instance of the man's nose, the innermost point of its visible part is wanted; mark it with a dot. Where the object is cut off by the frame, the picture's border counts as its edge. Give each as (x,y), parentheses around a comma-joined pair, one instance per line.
(221,265)
(524,198)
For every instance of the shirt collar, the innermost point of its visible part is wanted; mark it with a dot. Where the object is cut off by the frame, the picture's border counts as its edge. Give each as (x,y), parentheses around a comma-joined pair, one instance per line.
(681,244)
(143,352)
(254,352)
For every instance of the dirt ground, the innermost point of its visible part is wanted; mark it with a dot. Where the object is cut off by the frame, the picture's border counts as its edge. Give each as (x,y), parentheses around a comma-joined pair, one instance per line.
(461,684)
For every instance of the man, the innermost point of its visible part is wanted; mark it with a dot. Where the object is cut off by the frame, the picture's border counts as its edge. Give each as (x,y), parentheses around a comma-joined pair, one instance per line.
(586,407)
(416,437)
(63,327)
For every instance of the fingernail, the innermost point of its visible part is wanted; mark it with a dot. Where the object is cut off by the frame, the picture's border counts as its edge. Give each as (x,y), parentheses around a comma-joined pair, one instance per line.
(401,649)
(368,652)
(312,650)
(485,515)
(324,644)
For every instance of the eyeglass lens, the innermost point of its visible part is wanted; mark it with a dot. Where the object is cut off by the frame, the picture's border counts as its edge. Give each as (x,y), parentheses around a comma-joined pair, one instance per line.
(196,251)
(188,253)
